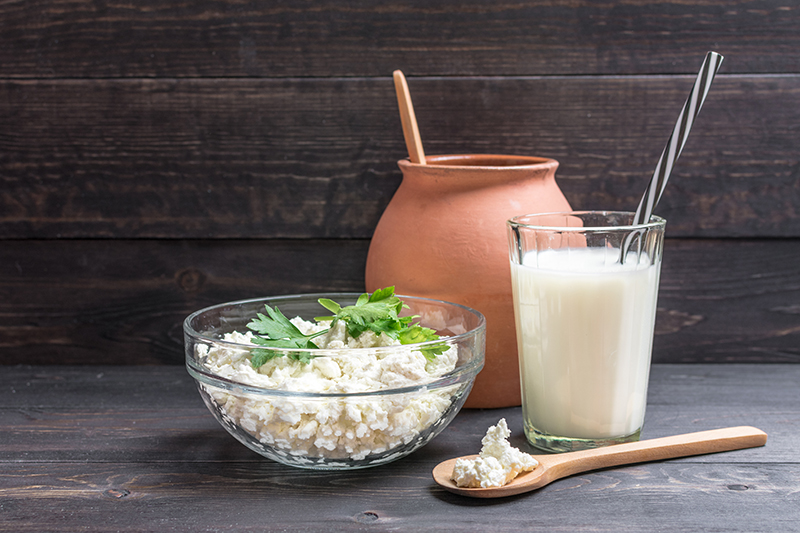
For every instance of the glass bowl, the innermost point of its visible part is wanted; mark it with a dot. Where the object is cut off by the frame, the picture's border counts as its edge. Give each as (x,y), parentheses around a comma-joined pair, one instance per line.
(377,405)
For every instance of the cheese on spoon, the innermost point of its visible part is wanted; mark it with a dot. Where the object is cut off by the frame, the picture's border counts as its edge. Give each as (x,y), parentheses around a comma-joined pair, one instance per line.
(498,463)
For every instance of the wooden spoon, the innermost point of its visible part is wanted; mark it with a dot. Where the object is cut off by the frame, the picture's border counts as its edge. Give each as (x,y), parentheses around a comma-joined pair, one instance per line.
(409,120)
(556,466)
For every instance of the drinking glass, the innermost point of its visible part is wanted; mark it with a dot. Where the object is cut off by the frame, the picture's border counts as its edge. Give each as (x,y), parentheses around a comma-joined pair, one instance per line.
(584,287)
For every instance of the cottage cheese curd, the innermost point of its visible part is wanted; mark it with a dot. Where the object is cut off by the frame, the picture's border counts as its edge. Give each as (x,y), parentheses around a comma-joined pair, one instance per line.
(497,464)
(332,428)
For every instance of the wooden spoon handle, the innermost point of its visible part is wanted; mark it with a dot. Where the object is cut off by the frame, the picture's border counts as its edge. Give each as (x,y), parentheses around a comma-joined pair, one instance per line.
(702,442)
(409,120)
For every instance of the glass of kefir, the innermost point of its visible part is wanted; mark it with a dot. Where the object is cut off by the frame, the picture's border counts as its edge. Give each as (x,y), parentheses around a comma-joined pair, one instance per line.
(584,287)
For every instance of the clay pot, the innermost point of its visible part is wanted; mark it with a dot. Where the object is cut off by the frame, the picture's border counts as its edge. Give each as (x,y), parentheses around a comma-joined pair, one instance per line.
(443,236)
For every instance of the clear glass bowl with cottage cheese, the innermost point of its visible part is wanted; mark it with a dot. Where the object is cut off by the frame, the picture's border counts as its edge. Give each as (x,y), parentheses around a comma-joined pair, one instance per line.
(349,406)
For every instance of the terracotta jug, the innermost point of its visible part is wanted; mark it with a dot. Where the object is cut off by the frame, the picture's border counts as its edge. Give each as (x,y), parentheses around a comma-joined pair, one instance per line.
(443,236)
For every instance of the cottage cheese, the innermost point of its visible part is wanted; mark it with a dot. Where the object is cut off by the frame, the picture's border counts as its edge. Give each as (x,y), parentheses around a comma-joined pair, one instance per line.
(497,464)
(332,428)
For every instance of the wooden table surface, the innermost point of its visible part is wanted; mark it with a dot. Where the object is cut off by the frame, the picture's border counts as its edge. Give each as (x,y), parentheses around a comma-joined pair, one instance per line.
(89,448)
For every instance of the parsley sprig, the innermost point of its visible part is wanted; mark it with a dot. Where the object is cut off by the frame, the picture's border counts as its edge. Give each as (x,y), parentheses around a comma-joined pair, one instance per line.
(276,331)
(377,312)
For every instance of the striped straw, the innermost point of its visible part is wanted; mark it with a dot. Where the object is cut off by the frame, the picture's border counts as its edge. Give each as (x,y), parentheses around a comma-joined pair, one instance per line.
(678,137)
(674,146)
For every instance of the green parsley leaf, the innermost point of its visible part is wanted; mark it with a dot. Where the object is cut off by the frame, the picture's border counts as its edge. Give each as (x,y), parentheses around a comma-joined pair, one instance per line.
(417,334)
(376,312)
(259,356)
(276,331)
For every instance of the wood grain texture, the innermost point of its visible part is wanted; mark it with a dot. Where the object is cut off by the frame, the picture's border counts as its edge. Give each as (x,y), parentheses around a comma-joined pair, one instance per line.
(231,497)
(317,158)
(729,301)
(123,301)
(134,449)
(226,38)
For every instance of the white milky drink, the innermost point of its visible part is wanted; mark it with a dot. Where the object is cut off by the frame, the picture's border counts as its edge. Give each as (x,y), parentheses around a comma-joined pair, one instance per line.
(585,332)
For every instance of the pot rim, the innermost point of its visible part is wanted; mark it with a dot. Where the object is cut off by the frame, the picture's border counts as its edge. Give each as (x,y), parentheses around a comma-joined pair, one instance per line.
(501,162)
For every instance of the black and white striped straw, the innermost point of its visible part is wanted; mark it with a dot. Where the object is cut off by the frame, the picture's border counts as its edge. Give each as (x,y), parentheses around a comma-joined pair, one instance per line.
(678,137)
(673,148)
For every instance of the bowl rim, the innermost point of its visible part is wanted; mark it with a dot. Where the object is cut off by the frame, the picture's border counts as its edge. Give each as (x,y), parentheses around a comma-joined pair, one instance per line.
(202,374)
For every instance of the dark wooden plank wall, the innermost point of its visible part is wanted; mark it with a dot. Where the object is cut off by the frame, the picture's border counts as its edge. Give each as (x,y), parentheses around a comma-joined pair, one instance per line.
(156,158)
